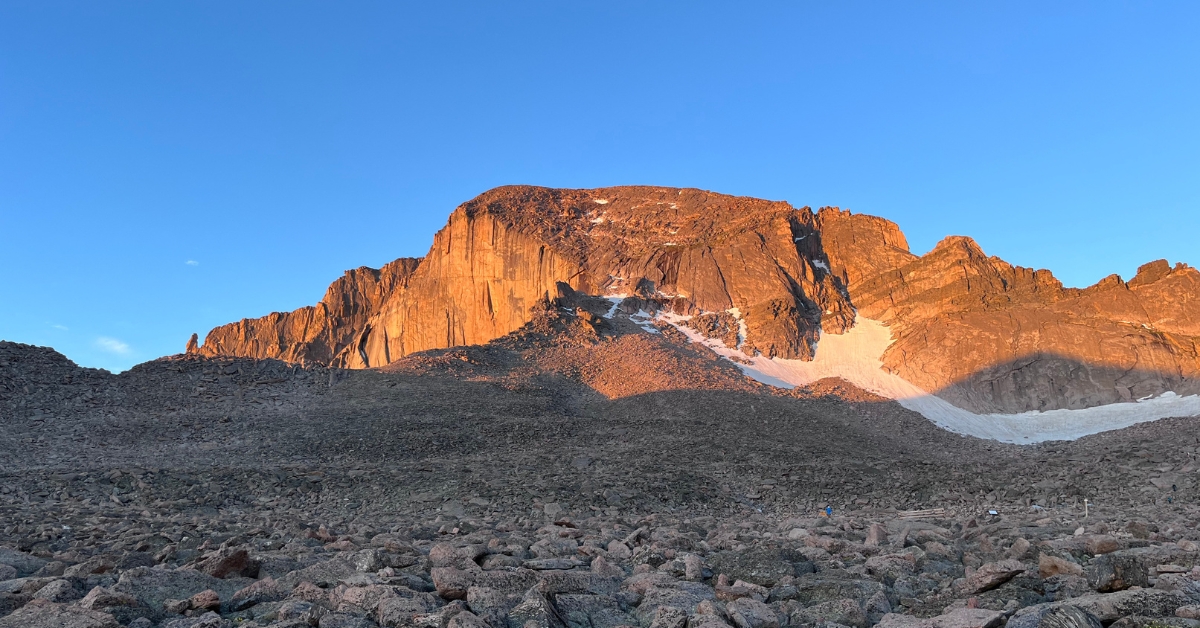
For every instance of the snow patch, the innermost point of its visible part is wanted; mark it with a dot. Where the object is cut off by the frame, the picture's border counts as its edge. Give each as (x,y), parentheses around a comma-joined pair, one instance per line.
(600,201)
(855,356)
(615,299)
(743,331)
(645,320)
(597,221)
(822,265)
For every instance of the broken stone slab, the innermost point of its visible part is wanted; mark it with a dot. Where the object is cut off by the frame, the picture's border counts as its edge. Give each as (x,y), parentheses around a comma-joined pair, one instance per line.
(58,591)
(100,598)
(991,575)
(24,564)
(542,564)
(323,574)
(750,613)
(957,618)
(345,620)
(682,595)
(265,590)
(763,567)
(402,611)
(516,581)
(812,589)
(534,611)
(555,582)
(152,585)
(213,620)
(1050,566)
(1054,616)
(581,610)
(46,614)
(228,562)
(1127,568)
(877,535)
(452,583)
(447,555)
(1108,607)
(845,612)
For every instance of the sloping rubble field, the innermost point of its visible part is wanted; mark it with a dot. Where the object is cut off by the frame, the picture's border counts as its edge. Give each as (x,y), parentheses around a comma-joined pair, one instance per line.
(579,473)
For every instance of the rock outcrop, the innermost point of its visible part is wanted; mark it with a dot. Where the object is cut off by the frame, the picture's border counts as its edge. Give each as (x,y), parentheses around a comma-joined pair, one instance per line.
(509,249)
(983,334)
(992,337)
(313,334)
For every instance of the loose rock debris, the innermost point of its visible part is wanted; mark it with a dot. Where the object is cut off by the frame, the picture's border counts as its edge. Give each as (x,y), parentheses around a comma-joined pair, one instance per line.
(534,481)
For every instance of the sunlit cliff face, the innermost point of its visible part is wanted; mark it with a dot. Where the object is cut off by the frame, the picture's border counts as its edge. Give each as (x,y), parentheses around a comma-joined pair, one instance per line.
(976,331)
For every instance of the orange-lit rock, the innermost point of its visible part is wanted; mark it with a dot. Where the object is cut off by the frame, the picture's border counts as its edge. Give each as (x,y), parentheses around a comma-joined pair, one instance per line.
(509,248)
(992,337)
(982,333)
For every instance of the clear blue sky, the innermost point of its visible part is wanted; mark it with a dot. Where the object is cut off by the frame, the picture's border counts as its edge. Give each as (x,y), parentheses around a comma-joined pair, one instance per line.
(166,167)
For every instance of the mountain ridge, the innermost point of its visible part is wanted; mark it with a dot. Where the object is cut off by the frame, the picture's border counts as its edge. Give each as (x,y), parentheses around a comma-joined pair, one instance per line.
(986,335)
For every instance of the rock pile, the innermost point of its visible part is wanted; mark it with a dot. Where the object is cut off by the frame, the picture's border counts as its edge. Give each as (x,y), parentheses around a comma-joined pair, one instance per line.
(755,571)
(578,473)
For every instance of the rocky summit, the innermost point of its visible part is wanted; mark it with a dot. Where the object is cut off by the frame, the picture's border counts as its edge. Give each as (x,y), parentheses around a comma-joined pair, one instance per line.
(982,334)
(628,407)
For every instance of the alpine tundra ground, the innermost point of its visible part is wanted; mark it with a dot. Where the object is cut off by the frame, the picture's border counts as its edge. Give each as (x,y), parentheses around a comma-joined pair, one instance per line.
(579,473)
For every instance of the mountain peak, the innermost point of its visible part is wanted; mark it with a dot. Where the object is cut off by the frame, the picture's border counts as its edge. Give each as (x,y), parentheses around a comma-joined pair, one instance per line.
(971,328)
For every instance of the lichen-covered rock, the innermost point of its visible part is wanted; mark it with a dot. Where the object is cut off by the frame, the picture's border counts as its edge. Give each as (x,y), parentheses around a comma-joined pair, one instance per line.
(46,614)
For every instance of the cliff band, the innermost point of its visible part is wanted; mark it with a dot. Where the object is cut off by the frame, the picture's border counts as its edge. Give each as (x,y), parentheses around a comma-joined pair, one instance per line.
(982,334)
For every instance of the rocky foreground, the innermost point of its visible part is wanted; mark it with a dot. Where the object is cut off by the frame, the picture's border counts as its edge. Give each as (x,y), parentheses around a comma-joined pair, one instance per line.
(579,473)
(896,570)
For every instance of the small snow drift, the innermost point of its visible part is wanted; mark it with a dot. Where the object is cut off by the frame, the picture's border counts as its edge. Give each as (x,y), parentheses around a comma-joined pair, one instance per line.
(855,357)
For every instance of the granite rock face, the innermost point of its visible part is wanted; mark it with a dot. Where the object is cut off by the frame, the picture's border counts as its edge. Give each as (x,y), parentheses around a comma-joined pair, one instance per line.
(979,332)
(313,334)
(512,248)
(992,337)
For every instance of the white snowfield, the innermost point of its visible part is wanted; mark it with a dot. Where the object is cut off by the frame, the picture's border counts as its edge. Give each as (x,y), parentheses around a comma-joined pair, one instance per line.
(856,357)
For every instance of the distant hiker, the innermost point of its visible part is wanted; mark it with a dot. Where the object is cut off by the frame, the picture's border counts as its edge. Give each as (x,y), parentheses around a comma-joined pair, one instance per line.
(829,511)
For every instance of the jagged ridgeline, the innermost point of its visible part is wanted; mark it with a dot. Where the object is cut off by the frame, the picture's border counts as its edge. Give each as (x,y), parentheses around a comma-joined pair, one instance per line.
(979,332)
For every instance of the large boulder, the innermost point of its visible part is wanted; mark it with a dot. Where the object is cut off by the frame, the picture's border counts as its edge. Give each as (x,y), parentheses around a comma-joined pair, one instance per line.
(402,611)
(750,613)
(452,583)
(992,575)
(581,610)
(957,618)
(842,612)
(1054,616)
(323,574)
(46,614)
(1125,568)
(24,564)
(812,589)
(685,596)
(1107,607)
(152,586)
(534,611)
(227,562)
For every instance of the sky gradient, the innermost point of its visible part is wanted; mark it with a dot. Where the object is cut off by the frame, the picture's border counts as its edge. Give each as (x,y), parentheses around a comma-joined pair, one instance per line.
(169,167)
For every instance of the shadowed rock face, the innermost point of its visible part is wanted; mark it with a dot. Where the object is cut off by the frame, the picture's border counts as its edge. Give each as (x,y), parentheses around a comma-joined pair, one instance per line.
(992,337)
(982,333)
